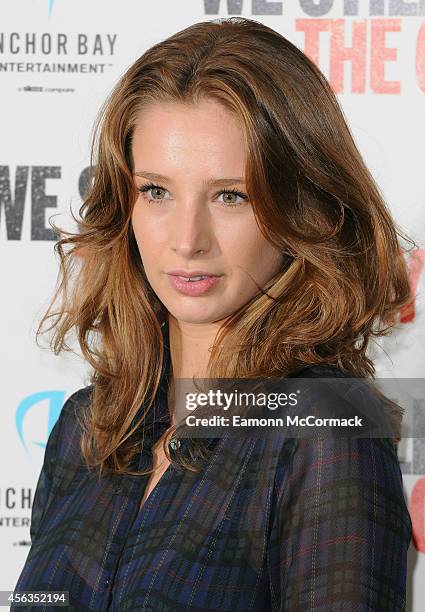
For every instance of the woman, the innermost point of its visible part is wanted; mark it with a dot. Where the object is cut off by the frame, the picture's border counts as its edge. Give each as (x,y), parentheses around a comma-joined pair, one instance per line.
(221,152)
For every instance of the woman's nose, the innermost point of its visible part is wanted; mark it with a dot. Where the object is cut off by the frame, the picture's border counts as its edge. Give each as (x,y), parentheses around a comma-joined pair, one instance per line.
(191,231)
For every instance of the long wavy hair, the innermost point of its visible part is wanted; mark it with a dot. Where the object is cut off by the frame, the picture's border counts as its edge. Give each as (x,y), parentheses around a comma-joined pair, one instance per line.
(343,278)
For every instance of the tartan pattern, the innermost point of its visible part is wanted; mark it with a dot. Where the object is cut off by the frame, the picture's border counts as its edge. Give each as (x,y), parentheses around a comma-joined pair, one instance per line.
(268,524)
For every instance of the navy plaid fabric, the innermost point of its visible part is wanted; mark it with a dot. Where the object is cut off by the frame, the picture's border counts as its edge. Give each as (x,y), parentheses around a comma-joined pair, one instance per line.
(268,524)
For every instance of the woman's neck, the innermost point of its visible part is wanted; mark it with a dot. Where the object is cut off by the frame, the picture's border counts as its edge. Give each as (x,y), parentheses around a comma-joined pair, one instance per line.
(190,345)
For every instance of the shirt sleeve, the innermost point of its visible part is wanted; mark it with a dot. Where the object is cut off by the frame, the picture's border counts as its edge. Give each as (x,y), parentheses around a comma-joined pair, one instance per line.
(44,482)
(340,529)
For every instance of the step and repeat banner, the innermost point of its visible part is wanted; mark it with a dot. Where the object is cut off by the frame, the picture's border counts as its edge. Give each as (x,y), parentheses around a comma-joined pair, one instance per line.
(59,59)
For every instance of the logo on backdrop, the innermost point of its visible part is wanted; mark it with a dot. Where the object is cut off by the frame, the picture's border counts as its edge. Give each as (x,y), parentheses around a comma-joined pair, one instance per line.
(59,53)
(20,498)
(34,402)
(28,189)
(56,52)
(323,25)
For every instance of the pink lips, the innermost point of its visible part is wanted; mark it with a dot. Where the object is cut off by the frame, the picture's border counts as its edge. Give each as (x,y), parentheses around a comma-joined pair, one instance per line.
(190,273)
(193,288)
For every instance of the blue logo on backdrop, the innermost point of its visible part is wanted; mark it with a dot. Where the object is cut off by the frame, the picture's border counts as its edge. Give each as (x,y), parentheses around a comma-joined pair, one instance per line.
(50,6)
(55,399)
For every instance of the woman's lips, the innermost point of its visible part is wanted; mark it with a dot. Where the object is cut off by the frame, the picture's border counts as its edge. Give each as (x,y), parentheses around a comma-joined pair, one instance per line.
(193,288)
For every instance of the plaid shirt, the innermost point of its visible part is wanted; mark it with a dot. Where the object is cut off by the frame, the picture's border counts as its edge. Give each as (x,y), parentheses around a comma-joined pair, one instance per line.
(268,524)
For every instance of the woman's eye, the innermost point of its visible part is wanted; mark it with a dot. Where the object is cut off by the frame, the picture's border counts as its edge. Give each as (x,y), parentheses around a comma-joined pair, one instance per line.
(156,190)
(231,195)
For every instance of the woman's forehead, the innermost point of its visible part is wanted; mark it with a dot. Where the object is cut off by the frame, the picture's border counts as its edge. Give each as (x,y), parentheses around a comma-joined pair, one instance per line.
(169,138)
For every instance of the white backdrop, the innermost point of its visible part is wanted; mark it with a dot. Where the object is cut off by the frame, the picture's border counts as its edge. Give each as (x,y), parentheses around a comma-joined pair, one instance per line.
(58,61)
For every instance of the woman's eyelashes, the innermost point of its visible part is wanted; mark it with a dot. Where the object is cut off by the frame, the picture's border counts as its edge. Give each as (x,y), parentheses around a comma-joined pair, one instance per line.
(144,189)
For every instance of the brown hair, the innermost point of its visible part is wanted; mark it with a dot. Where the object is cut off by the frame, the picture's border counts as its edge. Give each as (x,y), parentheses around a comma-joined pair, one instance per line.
(343,277)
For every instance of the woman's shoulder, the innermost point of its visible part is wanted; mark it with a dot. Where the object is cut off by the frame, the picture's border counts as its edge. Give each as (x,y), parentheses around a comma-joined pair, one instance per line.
(333,449)
(63,444)
(77,401)
(72,411)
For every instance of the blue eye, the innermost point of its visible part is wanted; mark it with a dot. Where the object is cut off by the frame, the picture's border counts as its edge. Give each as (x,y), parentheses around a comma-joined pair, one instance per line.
(155,188)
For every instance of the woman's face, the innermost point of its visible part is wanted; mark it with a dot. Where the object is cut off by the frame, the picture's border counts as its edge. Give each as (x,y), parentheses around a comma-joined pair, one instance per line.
(191,154)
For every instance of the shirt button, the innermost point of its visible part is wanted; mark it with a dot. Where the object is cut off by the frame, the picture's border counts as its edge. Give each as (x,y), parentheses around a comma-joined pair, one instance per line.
(174,444)
(106,582)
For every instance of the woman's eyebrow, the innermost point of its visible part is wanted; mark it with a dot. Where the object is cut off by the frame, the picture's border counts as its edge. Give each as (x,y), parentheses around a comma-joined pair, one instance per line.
(153,176)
